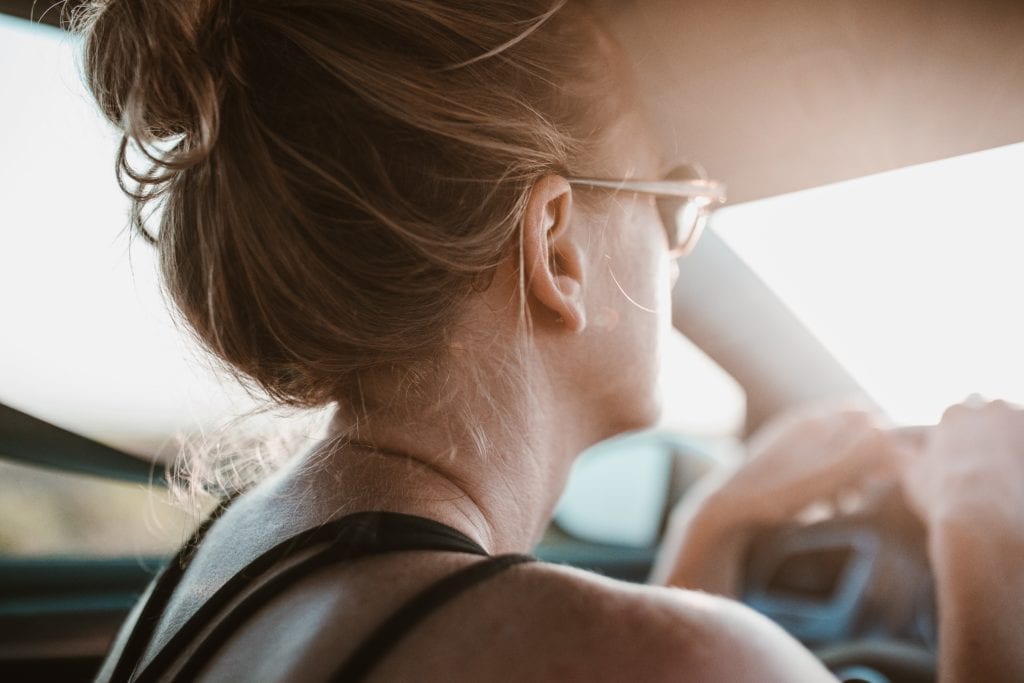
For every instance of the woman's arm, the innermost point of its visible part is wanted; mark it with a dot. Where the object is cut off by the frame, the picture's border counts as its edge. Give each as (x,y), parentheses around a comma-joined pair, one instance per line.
(797,459)
(979,579)
(964,478)
(704,540)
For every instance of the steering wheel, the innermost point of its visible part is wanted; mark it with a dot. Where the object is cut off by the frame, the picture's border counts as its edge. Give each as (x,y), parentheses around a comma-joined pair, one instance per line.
(879,661)
(856,589)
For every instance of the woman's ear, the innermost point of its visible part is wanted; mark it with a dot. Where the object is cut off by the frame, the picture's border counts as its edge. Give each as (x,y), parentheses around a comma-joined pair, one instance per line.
(554,255)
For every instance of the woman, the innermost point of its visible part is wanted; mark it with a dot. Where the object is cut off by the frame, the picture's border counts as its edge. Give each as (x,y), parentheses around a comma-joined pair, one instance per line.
(426,215)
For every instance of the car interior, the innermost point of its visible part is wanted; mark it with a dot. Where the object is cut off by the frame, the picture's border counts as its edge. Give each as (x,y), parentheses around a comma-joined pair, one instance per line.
(788,102)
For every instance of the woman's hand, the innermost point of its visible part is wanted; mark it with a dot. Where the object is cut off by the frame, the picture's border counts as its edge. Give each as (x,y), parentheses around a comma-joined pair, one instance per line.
(797,459)
(969,468)
(966,481)
(806,456)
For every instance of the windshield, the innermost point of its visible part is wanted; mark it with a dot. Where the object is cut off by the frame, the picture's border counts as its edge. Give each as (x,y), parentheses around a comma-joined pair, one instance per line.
(911,278)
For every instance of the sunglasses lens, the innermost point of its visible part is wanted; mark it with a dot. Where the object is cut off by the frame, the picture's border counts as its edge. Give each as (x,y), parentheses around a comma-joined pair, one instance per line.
(687,217)
(683,218)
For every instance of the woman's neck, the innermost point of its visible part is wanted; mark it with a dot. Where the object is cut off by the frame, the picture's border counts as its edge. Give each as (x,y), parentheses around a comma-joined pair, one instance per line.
(486,448)
(502,496)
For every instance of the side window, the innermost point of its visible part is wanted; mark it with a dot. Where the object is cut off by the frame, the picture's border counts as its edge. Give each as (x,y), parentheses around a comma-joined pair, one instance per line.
(618,491)
(47,513)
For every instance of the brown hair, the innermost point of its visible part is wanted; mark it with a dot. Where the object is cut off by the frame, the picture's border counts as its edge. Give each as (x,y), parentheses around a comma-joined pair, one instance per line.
(334,177)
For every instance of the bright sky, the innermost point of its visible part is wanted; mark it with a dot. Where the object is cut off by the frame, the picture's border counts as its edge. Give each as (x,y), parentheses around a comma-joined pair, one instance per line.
(86,341)
(911,278)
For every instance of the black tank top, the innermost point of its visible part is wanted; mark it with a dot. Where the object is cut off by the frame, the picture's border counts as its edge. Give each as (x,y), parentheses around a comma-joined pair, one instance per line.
(348,538)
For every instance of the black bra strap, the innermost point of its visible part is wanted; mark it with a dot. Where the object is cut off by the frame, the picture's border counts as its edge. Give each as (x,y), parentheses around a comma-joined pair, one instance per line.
(386,636)
(350,537)
(163,586)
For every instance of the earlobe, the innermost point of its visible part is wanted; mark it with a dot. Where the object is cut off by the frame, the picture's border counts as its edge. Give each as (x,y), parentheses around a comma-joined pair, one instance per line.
(574,317)
(553,258)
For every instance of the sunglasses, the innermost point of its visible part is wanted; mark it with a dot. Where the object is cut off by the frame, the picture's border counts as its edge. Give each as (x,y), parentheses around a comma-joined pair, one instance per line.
(684,197)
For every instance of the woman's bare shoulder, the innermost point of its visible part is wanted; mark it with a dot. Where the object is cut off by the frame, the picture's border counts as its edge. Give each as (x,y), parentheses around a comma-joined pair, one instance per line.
(586,626)
(536,621)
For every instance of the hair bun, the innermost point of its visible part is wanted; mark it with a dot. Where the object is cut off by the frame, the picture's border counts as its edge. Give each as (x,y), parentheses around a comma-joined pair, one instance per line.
(152,66)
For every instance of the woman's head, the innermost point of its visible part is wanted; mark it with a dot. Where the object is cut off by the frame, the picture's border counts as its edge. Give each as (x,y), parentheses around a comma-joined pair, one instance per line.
(337,179)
